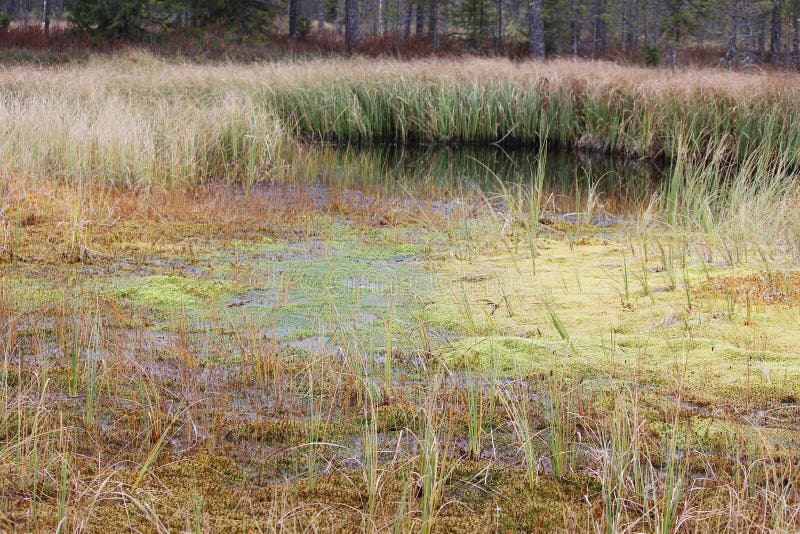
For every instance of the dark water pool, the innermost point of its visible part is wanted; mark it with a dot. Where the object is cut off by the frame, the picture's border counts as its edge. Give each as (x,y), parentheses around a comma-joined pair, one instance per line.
(438,172)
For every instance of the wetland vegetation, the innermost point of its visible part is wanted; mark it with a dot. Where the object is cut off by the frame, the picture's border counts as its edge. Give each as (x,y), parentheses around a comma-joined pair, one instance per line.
(383,296)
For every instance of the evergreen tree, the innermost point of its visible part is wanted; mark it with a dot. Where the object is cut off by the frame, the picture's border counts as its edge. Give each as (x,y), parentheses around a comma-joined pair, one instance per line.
(476,18)
(125,18)
(684,17)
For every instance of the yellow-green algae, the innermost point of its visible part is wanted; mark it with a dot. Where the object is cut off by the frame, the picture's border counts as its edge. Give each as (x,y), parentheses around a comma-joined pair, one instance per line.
(572,314)
(169,291)
(259,245)
(27,293)
(512,355)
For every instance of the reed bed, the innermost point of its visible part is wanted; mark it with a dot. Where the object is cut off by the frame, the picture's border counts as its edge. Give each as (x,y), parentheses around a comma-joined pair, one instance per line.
(134,119)
(574,113)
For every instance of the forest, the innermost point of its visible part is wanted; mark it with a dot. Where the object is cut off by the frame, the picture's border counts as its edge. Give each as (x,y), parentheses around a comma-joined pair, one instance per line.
(730,33)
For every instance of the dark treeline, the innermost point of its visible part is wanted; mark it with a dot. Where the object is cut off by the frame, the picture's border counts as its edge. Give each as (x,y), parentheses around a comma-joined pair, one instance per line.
(730,32)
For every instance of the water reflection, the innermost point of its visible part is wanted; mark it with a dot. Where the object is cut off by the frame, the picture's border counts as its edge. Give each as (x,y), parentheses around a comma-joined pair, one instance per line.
(435,172)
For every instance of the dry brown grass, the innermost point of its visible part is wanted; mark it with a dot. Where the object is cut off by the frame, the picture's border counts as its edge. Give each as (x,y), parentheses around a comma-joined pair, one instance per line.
(38,219)
(136,69)
(763,288)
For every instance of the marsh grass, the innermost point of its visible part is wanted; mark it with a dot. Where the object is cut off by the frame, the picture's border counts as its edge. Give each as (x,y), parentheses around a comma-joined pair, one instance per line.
(475,417)
(560,414)
(136,120)
(126,413)
(397,459)
(559,106)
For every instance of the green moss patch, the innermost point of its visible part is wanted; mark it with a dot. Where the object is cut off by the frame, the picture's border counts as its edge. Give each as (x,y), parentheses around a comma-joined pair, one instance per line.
(264,245)
(27,293)
(508,354)
(172,291)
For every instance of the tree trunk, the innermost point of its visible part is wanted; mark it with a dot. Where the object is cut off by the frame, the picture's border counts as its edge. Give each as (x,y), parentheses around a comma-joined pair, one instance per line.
(574,29)
(761,20)
(536,28)
(292,19)
(433,24)
(481,24)
(776,30)
(796,33)
(730,57)
(749,44)
(407,20)
(630,28)
(599,41)
(500,27)
(644,30)
(46,16)
(320,15)
(420,22)
(352,37)
(655,24)
(623,30)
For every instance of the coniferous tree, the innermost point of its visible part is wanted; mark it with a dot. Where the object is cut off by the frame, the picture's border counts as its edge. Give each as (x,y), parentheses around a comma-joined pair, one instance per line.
(746,30)
(433,24)
(407,20)
(126,18)
(46,17)
(683,18)
(476,18)
(730,56)
(293,7)
(351,24)
(796,32)
(536,28)
(599,41)
(776,30)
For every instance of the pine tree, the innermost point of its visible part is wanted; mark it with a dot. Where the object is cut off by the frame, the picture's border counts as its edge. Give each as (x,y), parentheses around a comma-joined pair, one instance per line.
(536,28)
(352,34)
(476,18)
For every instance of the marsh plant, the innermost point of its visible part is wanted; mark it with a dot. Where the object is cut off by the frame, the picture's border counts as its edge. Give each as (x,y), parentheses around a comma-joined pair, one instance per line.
(208,322)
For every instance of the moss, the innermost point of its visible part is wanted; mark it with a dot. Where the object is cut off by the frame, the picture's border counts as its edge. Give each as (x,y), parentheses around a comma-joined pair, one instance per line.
(375,250)
(507,354)
(214,479)
(478,307)
(714,435)
(768,287)
(546,507)
(272,430)
(172,291)
(397,416)
(378,245)
(496,303)
(262,245)
(28,293)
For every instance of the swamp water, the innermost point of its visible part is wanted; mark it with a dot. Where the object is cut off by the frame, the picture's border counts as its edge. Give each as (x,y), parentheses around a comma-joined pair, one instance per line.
(339,287)
(435,172)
